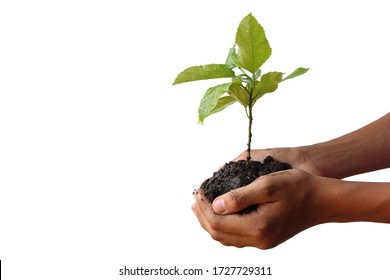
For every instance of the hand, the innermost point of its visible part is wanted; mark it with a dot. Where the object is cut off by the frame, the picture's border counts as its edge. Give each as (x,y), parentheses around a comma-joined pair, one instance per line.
(289,202)
(297,157)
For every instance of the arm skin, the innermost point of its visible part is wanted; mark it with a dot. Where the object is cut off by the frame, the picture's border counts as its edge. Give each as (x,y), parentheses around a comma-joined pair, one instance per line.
(364,150)
(289,202)
(310,194)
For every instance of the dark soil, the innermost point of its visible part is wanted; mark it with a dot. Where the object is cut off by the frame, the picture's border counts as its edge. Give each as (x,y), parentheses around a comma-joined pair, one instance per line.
(236,174)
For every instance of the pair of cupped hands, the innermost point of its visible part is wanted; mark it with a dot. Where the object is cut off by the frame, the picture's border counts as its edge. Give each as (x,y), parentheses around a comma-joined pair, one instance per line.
(288,202)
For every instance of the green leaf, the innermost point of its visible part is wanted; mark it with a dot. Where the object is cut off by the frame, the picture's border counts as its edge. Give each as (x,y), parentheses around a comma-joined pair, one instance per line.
(210,100)
(297,72)
(223,102)
(231,60)
(268,83)
(253,46)
(238,93)
(204,72)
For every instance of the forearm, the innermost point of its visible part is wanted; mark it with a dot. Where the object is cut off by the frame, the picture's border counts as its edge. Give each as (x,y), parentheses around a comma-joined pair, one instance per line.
(356,201)
(366,149)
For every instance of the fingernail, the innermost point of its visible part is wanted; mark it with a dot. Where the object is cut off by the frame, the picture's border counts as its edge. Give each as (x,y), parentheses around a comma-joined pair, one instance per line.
(219,205)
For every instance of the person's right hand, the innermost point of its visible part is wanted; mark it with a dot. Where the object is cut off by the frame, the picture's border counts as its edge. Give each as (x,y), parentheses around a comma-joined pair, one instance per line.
(296,157)
(288,202)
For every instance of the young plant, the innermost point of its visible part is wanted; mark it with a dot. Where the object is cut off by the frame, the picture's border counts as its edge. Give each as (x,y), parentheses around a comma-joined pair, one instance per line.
(247,83)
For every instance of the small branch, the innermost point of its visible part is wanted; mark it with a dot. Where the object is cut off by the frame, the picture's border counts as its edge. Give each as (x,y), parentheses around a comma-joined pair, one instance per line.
(250,117)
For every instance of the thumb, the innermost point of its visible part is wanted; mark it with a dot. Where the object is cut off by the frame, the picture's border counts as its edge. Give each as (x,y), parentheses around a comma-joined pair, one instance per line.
(238,199)
(263,190)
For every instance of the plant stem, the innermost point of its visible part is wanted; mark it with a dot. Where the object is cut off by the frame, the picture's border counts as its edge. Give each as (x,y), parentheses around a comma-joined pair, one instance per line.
(248,153)
(250,119)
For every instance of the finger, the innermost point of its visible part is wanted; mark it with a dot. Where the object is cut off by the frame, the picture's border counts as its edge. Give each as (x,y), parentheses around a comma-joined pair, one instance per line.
(214,223)
(225,238)
(258,239)
(254,229)
(265,189)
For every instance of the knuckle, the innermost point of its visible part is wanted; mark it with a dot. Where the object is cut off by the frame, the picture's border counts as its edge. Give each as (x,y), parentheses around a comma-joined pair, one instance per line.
(215,225)
(215,235)
(264,241)
(265,235)
(266,245)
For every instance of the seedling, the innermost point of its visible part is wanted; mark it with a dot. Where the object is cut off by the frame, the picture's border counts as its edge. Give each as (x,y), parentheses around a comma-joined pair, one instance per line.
(247,83)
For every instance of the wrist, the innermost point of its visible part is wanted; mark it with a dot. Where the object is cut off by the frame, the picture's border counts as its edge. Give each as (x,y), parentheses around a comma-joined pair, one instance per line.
(309,159)
(333,158)
(346,201)
(324,200)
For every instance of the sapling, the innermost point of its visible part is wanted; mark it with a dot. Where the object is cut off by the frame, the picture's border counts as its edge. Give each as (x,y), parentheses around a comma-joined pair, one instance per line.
(247,83)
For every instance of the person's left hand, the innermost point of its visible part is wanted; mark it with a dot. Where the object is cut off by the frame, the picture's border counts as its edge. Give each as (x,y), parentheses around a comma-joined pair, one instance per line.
(288,203)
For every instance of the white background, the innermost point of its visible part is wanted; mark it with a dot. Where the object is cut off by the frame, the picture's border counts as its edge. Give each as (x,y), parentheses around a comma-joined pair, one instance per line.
(99,153)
